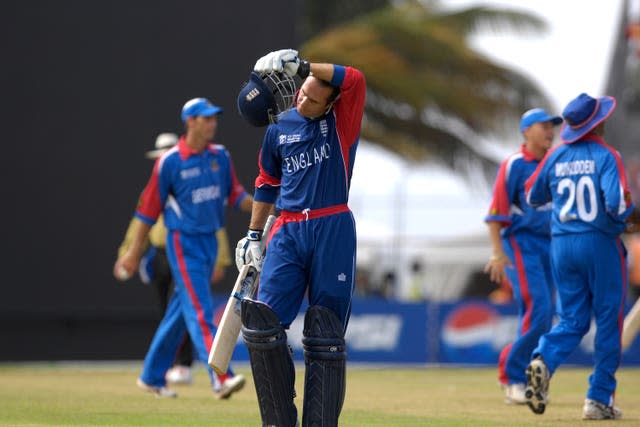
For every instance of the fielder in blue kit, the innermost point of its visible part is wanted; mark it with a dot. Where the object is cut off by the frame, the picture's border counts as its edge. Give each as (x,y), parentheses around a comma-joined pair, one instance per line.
(520,238)
(305,163)
(191,184)
(584,179)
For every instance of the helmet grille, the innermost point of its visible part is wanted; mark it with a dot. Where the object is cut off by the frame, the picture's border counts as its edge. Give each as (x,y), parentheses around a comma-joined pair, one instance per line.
(283,88)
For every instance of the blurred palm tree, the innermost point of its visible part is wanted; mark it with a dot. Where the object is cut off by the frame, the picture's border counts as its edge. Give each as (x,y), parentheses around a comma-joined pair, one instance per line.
(430,95)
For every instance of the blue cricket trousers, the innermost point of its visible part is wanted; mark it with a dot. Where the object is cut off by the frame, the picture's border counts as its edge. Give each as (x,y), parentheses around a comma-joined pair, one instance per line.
(533,292)
(315,256)
(590,272)
(190,309)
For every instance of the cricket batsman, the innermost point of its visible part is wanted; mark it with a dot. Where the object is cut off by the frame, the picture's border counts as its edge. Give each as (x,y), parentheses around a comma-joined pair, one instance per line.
(305,168)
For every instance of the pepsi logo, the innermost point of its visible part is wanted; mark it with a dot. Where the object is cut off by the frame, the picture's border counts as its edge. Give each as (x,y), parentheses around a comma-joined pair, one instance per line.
(470,324)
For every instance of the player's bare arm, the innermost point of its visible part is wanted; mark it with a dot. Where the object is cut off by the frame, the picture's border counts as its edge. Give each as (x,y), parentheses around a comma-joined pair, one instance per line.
(322,71)
(246,205)
(498,260)
(259,214)
(128,263)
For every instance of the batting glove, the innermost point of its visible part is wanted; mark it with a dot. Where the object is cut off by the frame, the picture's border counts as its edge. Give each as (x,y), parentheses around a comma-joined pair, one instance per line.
(249,250)
(284,60)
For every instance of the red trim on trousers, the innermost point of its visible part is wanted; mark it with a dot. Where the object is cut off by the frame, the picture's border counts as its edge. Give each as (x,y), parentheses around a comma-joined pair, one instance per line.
(524,286)
(206,333)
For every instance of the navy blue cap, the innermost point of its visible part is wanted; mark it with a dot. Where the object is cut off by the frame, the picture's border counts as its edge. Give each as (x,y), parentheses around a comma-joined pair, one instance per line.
(197,107)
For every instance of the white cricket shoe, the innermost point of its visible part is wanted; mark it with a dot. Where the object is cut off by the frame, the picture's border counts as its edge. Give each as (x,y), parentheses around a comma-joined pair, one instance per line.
(514,394)
(161,392)
(537,390)
(179,375)
(594,410)
(230,386)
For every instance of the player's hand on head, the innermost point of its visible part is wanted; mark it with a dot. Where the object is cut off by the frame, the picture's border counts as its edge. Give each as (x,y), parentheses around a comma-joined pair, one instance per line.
(284,60)
(249,251)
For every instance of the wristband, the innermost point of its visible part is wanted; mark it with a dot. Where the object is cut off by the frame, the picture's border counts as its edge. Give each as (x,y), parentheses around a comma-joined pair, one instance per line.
(255,235)
(497,257)
(304,69)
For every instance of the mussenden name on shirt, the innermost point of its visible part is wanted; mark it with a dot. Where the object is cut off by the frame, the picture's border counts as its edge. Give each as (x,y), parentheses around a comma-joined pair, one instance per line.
(577,167)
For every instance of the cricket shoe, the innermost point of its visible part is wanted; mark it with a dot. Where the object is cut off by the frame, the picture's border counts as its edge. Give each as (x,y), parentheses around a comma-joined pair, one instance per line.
(179,375)
(594,410)
(514,394)
(160,392)
(229,386)
(537,389)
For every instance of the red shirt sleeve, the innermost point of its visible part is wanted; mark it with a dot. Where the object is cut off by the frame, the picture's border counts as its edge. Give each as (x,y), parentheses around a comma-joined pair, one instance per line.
(349,107)
(237,189)
(499,208)
(150,205)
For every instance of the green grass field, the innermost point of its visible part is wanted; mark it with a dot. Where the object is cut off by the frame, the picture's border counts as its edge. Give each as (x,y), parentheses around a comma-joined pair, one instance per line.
(61,394)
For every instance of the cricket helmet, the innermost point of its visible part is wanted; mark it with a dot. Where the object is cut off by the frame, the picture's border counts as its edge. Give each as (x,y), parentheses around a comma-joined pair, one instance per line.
(264,97)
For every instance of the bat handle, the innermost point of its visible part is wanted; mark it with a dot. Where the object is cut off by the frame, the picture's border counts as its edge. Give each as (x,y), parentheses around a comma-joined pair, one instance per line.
(267,229)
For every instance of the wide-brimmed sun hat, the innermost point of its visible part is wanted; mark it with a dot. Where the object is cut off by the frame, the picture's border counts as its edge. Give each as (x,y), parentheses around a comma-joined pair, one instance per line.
(583,114)
(164,141)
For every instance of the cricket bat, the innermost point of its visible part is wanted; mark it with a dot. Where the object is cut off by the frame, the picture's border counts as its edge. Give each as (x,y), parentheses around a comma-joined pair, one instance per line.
(229,328)
(631,325)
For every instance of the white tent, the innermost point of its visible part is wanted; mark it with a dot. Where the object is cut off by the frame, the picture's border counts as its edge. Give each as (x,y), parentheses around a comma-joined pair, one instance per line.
(406,213)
